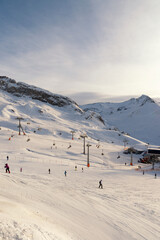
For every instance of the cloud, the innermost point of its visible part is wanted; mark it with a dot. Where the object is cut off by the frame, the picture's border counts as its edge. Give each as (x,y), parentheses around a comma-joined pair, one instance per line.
(85,97)
(105,47)
(92,97)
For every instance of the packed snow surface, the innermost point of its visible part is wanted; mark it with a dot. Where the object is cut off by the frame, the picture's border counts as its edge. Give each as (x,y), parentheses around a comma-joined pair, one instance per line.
(36,205)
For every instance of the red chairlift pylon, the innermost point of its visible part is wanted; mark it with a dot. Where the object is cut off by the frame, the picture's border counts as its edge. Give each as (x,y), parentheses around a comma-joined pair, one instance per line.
(131,163)
(72,134)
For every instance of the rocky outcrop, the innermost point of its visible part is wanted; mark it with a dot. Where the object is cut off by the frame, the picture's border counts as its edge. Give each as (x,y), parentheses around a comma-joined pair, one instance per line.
(20,89)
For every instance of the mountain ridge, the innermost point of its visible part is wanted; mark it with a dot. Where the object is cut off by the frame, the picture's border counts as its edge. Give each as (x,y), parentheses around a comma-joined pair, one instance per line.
(139,117)
(20,89)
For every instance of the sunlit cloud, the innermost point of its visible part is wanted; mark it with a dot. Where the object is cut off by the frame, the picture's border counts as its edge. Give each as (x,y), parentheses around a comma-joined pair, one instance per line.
(100,47)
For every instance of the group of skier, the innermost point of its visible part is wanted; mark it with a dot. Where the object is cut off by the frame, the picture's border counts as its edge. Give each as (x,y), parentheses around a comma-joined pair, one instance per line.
(65,174)
(6,166)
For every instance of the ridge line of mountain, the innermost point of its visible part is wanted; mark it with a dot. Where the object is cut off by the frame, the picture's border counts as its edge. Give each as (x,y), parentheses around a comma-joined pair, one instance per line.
(20,89)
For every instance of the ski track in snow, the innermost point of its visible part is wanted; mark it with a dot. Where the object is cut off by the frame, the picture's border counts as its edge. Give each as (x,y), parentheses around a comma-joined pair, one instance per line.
(13,230)
(108,208)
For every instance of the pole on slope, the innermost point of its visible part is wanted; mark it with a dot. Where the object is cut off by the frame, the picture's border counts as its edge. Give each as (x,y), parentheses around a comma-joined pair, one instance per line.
(131,163)
(84,144)
(72,134)
(88,164)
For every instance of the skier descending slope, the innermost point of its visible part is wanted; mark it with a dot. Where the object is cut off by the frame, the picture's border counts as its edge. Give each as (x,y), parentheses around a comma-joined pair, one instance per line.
(7,168)
(100,184)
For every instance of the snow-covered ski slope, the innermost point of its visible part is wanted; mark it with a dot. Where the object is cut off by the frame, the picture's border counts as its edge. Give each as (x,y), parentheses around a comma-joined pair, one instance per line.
(41,206)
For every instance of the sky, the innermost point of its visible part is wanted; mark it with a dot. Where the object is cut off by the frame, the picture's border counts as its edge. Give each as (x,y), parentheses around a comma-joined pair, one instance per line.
(89,50)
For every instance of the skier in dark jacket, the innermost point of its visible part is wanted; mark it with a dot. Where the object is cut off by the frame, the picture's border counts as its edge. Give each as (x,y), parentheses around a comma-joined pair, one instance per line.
(7,168)
(100,184)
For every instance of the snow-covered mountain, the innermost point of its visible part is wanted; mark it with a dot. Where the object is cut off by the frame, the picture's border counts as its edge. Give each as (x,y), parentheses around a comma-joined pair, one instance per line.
(40,116)
(34,104)
(38,204)
(61,115)
(139,117)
